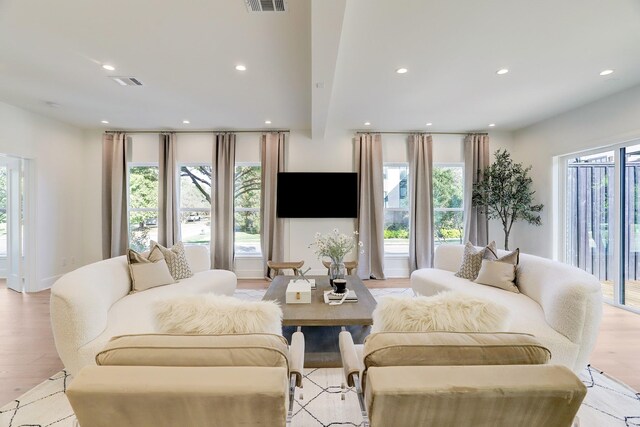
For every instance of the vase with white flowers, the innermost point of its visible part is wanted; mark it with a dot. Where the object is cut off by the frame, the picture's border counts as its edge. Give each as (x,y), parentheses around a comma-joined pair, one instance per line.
(335,246)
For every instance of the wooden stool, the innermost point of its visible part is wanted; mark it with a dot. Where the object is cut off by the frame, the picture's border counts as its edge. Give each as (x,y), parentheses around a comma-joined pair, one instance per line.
(349,265)
(277,266)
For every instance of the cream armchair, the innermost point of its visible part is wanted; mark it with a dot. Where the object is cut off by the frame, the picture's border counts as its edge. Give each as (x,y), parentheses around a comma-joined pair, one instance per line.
(194,380)
(446,379)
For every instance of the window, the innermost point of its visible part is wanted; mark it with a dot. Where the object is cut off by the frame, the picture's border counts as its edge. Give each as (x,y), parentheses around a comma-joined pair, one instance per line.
(143,206)
(3,211)
(448,196)
(195,204)
(396,208)
(247,209)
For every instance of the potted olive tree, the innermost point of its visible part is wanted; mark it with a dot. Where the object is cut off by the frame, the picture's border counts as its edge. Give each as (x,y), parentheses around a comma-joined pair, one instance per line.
(504,192)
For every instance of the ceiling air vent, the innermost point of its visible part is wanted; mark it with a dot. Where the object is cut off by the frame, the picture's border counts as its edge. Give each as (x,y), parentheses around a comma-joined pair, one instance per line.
(126,81)
(266,5)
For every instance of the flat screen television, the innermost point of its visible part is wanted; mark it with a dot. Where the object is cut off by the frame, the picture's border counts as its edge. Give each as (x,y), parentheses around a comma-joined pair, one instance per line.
(317,195)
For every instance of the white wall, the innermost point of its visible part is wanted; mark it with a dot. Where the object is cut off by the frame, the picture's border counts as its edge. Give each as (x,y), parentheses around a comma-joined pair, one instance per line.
(612,120)
(92,196)
(57,153)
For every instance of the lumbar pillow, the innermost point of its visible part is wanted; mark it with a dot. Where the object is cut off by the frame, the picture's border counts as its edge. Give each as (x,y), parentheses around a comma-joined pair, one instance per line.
(148,271)
(447,311)
(472,260)
(498,274)
(214,314)
(176,260)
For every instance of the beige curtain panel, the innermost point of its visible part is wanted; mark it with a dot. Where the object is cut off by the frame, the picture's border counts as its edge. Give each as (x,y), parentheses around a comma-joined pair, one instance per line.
(370,222)
(420,201)
(168,210)
(271,227)
(115,233)
(222,188)
(476,159)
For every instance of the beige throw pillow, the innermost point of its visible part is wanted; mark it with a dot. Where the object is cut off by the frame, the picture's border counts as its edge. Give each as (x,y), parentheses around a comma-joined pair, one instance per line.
(511,257)
(498,274)
(176,260)
(148,271)
(195,350)
(472,260)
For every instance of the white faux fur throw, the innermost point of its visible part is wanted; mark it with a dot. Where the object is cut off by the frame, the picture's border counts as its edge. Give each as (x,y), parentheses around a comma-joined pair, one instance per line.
(447,311)
(215,314)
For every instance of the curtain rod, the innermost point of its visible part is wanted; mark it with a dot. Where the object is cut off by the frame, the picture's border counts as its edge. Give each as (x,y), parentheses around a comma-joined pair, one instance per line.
(199,131)
(420,131)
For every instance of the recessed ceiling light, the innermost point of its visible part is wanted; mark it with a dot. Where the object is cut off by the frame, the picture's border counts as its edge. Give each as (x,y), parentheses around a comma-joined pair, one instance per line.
(401,70)
(105,122)
(241,67)
(606,72)
(267,122)
(186,122)
(502,71)
(109,67)
(492,125)
(367,123)
(429,124)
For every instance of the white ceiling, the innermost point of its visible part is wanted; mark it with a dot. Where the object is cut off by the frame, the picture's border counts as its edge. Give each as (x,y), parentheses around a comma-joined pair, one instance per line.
(185,52)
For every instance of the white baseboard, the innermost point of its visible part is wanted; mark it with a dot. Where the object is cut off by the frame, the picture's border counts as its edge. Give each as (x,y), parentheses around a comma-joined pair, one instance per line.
(396,267)
(396,273)
(249,274)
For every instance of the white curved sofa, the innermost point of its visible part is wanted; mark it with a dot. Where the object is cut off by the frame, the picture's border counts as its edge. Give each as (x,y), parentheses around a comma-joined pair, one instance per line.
(92,304)
(559,304)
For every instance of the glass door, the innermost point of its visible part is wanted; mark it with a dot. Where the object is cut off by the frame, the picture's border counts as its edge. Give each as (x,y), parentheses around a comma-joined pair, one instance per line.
(14,224)
(602,220)
(590,217)
(630,220)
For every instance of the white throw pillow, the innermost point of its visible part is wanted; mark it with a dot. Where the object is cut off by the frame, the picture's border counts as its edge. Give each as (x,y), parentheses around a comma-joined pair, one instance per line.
(498,274)
(447,311)
(216,314)
(472,260)
(176,260)
(148,271)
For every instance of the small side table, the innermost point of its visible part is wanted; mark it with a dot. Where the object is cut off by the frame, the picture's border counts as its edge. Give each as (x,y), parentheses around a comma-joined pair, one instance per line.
(277,266)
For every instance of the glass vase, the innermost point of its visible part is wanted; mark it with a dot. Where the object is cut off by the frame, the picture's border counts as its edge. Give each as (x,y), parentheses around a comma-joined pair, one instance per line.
(337,270)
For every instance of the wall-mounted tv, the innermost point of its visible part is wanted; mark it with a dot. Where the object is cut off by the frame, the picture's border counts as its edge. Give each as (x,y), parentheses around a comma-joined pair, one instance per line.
(317,195)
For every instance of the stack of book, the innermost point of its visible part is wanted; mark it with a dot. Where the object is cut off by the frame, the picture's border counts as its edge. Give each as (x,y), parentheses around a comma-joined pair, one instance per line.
(330,296)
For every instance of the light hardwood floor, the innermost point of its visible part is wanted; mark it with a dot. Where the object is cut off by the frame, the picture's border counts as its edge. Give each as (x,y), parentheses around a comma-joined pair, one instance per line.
(632,292)
(28,355)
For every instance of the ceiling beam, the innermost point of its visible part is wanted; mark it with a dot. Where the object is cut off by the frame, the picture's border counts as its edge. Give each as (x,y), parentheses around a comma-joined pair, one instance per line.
(326,29)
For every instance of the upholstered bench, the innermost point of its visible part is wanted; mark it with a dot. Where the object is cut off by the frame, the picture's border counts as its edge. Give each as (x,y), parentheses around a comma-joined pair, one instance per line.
(406,379)
(194,380)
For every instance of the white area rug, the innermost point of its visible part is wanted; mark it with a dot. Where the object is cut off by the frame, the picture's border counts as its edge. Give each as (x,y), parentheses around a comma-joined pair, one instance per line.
(609,403)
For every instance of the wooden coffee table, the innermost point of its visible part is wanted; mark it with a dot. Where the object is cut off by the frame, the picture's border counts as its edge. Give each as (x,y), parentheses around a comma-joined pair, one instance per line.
(321,322)
(318,313)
